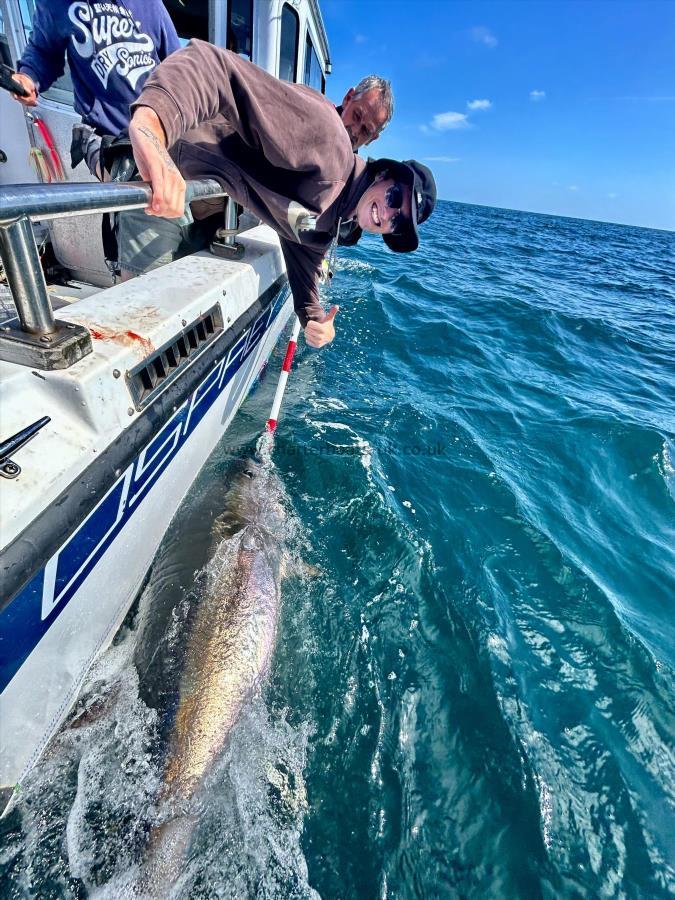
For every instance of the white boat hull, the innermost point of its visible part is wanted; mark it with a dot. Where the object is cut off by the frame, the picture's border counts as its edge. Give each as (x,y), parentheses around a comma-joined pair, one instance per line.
(75,600)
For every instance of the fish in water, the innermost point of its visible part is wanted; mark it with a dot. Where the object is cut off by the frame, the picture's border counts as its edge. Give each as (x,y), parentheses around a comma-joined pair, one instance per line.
(228,652)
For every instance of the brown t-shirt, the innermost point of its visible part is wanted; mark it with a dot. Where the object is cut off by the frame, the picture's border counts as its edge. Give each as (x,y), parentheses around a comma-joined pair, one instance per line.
(277,148)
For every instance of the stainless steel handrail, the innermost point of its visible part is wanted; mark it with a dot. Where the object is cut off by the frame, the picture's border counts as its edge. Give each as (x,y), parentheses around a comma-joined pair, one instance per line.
(20,204)
(56,201)
(26,280)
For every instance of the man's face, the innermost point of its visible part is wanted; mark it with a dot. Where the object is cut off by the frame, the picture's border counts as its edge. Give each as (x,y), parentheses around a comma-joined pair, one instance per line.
(363,117)
(373,212)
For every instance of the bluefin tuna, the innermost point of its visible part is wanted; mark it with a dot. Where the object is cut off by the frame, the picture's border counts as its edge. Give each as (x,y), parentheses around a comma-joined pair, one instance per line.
(228,655)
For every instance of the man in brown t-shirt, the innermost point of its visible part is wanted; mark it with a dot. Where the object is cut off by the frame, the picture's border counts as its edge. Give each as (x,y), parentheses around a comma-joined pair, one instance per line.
(281,151)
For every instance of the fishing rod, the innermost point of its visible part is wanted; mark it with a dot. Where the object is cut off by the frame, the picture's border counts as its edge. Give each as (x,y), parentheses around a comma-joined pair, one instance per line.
(283,378)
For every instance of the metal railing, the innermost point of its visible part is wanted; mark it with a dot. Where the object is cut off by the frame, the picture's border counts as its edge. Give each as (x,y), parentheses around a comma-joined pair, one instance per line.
(56,201)
(21,204)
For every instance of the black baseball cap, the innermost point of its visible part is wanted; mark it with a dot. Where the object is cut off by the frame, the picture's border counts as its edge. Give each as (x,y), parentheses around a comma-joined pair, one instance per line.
(422,200)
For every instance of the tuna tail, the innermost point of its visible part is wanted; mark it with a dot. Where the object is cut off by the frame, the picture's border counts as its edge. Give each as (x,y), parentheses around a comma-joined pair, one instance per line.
(168,847)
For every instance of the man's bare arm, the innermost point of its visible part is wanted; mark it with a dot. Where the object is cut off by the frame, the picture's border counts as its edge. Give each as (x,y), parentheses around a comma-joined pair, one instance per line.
(155,165)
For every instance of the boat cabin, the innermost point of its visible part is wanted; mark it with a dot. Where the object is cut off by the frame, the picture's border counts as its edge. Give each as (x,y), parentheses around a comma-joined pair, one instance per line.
(285,37)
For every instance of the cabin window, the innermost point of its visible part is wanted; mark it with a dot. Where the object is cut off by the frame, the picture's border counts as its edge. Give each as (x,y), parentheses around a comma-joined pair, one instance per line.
(313,73)
(240,27)
(191,20)
(288,55)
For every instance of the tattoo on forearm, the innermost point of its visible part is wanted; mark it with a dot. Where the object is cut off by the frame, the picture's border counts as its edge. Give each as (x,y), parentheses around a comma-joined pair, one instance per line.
(158,146)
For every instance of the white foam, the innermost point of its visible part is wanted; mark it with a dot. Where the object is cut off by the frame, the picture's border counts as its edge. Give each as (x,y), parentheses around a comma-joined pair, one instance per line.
(666,466)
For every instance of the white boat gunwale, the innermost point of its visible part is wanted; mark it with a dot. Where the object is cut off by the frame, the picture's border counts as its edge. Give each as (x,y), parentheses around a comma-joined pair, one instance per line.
(27,554)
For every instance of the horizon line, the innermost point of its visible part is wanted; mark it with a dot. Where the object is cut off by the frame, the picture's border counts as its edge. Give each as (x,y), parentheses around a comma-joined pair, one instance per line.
(553,215)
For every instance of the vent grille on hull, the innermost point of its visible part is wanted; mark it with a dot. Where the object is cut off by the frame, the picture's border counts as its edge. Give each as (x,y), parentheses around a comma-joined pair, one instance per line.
(157,371)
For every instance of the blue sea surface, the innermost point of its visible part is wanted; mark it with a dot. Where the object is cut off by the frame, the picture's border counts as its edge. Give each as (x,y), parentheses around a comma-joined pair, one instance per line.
(475,696)
(492,669)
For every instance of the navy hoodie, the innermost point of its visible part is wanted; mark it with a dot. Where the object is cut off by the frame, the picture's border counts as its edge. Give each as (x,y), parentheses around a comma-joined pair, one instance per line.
(111,50)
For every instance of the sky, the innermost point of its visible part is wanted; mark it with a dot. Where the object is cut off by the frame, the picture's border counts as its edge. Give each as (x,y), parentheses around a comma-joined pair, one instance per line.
(556,107)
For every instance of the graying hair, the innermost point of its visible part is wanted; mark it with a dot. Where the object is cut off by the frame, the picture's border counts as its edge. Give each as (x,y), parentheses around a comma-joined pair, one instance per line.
(371,82)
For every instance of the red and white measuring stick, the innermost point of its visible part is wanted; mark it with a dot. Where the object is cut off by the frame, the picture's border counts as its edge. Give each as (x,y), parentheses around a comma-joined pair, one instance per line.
(283,378)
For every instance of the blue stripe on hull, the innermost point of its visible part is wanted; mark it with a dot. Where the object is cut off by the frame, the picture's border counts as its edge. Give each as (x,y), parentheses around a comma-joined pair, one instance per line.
(29,616)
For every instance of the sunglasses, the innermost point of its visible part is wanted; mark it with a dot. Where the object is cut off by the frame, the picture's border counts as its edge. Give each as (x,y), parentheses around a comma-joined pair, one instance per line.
(394,199)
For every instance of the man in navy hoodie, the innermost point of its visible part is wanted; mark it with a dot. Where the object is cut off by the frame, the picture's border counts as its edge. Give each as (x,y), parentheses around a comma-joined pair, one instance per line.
(111,48)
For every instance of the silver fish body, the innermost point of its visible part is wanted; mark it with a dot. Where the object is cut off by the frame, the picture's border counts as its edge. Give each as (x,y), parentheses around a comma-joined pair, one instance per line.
(228,655)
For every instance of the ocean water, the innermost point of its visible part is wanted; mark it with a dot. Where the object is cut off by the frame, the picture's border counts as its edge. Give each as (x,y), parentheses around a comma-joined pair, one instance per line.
(474,695)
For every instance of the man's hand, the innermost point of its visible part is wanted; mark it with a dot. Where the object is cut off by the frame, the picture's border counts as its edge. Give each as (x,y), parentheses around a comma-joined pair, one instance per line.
(319,333)
(155,165)
(26,82)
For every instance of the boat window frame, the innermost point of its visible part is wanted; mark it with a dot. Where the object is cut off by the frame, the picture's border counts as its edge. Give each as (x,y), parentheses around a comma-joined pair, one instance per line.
(296,17)
(186,34)
(228,29)
(5,49)
(309,52)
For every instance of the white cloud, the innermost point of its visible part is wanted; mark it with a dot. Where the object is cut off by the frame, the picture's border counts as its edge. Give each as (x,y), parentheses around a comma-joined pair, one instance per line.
(449,121)
(443,159)
(360,39)
(612,195)
(479,104)
(537,96)
(484,36)
(573,187)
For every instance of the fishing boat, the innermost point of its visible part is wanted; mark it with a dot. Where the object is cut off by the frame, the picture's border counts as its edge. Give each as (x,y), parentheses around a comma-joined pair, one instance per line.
(112,395)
